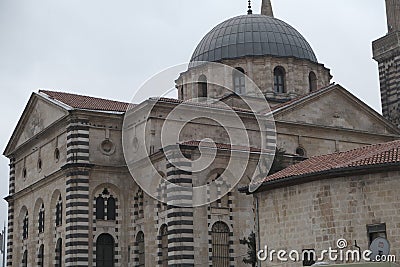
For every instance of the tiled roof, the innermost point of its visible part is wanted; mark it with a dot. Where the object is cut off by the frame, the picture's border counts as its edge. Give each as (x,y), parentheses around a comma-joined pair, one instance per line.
(94,103)
(364,157)
(87,102)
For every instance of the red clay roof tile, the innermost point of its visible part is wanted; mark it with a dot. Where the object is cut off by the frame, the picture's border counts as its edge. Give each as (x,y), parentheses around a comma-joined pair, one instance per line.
(87,102)
(367,156)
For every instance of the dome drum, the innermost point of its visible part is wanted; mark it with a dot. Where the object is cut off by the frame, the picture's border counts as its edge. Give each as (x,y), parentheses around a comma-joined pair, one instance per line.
(257,44)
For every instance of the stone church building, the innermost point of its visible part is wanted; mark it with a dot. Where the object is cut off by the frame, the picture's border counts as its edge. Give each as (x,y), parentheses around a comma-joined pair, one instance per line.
(72,199)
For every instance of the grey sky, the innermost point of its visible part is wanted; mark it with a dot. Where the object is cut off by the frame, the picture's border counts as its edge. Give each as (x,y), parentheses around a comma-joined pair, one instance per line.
(108,48)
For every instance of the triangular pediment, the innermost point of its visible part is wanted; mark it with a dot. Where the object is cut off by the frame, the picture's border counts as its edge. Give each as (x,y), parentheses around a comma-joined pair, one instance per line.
(335,107)
(39,114)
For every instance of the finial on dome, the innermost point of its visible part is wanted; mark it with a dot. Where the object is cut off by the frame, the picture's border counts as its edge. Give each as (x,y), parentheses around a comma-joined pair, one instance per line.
(249,12)
(266,8)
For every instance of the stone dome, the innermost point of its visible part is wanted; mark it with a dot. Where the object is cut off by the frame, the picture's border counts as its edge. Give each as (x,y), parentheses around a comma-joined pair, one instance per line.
(252,35)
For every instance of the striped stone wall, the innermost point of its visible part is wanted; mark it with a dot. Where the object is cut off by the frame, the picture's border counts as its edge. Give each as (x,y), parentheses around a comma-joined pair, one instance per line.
(389,76)
(386,51)
(10,234)
(77,194)
(180,220)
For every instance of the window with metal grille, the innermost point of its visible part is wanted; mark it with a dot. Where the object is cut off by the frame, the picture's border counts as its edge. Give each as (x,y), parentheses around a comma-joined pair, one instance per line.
(220,244)
(279,80)
(140,250)
(105,251)
(41,219)
(25,226)
(239,83)
(164,245)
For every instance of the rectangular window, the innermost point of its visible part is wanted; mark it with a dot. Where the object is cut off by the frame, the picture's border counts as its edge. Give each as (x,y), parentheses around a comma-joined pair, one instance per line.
(376,230)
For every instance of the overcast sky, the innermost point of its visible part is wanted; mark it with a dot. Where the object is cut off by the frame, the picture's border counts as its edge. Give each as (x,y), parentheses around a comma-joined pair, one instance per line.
(109,48)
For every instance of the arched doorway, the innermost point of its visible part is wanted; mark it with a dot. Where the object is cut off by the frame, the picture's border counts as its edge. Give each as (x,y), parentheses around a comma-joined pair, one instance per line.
(220,244)
(105,251)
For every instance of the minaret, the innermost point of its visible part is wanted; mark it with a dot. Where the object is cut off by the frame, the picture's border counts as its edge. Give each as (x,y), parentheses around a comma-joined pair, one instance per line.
(392,13)
(386,51)
(266,8)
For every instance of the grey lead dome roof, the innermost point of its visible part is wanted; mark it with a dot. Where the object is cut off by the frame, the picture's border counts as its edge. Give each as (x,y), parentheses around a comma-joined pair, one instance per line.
(252,35)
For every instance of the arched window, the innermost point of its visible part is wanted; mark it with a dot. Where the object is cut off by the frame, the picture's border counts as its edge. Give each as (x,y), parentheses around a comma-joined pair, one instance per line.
(279,80)
(105,205)
(182,97)
(202,89)
(41,256)
(239,84)
(59,211)
(220,244)
(164,245)
(312,81)
(111,208)
(25,226)
(58,251)
(25,259)
(100,208)
(56,154)
(41,219)
(140,250)
(39,164)
(105,251)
